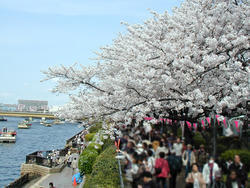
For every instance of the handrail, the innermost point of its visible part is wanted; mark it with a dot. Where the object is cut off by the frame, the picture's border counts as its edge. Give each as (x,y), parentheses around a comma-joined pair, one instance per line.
(120,172)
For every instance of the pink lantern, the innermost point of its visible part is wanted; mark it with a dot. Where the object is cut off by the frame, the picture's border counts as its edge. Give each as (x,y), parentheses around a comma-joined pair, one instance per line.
(203,123)
(208,120)
(237,125)
(217,116)
(189,124)
(195,125)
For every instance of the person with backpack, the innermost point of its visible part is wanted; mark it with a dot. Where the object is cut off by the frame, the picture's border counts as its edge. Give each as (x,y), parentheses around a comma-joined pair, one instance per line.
(162,170)
(175,168)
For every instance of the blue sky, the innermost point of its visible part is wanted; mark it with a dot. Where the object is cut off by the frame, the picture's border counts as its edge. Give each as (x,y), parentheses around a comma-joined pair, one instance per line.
(35,35)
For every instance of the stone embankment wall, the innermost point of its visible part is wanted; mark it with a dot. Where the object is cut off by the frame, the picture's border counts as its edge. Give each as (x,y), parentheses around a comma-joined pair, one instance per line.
(40,170)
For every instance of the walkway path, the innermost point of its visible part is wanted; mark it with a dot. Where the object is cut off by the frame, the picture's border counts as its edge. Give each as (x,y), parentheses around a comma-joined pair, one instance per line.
(62,180)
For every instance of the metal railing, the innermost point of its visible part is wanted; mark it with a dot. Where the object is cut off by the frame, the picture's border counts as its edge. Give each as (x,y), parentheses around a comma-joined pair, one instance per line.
(45,158)
(120,171)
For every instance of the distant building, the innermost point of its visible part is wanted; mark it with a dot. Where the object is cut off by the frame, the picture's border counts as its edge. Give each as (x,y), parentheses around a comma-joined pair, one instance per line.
(32,106)
(8,107)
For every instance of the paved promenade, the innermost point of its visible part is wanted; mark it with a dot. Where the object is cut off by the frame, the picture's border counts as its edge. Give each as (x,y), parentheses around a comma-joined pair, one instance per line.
(62,180)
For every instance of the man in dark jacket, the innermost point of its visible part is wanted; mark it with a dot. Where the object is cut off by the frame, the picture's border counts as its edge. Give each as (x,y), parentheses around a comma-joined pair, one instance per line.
(240,170)
(148,182)
(175,167)
(202,157)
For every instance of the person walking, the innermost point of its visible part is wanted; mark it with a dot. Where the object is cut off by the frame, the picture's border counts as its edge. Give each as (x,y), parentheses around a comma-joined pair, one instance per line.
(195,178)
(202,157)
(240,170)
(233,181)
(178,149)
(218,183)
(69,161)
(188,158)
(161,148)
(209,170)
(148,181)
(162,170)
(150,162)
(51,185)
(74,165)
(175,168)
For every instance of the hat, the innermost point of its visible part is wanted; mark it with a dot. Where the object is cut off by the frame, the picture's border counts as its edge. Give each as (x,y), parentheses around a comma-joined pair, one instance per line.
(202,146)
(139,151)
(189,145)
(146,141)
(139,146)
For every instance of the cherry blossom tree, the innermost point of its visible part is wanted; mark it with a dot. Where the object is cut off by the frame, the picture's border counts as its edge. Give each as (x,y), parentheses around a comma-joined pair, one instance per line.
(197,58)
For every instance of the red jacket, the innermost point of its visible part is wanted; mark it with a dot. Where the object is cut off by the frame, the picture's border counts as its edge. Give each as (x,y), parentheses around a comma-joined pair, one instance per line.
(163,164)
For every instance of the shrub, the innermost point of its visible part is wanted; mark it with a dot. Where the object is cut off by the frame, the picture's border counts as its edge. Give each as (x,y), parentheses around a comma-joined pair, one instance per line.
(107,142)
(95,146)
(244,155)
(86,160)
(89,137)
(230,142)
(105,172)
(198,140)
(95,128)
(179,132)
(221,148)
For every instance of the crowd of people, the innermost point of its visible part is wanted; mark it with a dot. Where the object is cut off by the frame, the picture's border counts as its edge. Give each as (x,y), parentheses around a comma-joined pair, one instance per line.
(156,159)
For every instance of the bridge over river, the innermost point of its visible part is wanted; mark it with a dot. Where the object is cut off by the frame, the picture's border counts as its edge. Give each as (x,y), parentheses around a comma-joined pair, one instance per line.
(27,114)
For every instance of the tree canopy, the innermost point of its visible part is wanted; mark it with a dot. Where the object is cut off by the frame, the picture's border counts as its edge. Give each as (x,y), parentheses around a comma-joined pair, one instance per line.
(195,58)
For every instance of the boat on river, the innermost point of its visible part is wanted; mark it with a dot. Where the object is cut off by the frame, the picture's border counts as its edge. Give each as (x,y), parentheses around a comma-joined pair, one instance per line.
(58,121)
(43,121)
(3,119)
(23,125)
(47,124)
(7,136)
(27,122)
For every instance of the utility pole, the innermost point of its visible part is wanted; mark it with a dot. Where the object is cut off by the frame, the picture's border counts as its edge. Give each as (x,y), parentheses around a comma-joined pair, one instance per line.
(214,136)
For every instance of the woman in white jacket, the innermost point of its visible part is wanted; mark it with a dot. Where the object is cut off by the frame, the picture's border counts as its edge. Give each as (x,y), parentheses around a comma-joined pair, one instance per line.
(209,170)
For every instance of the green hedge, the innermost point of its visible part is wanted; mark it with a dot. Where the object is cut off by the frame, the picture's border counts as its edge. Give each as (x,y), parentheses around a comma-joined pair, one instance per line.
(89,137)
(107,142)
(94,146)
(105,173)
(95,128)
(86,160)
(244,155)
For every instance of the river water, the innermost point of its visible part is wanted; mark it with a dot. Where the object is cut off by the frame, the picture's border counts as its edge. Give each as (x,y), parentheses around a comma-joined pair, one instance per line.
(38,137)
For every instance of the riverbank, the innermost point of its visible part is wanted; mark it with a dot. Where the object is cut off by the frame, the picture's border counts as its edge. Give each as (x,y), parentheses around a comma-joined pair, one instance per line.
(37,137)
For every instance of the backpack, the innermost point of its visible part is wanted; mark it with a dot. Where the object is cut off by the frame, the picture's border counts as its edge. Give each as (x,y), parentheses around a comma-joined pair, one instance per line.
(157,171)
